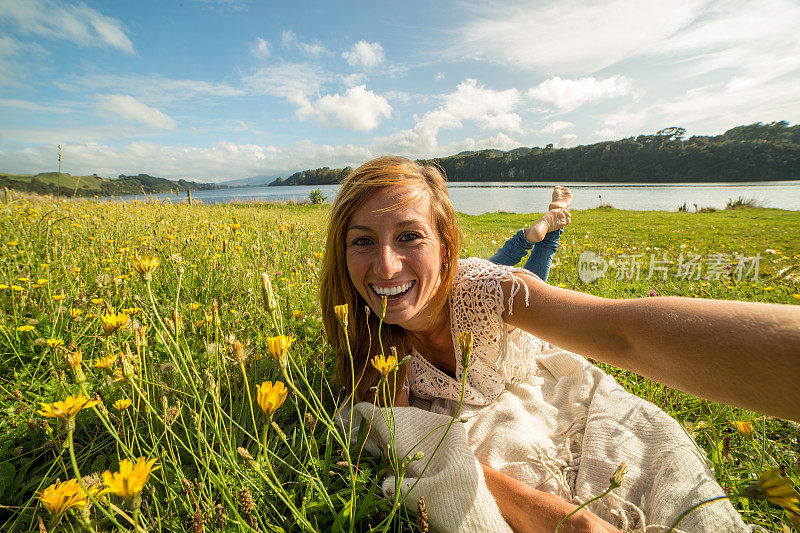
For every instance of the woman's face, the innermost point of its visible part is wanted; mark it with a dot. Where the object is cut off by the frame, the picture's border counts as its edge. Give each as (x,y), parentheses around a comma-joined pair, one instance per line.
(395,252)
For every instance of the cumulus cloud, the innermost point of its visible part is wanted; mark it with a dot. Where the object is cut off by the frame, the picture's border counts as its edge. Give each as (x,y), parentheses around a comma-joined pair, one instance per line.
(260,49)
(364,54)
(289,40)
(357,109)
(568,139)
(567,95)
(471,102)
(129,108)
(558,125)
(77,23)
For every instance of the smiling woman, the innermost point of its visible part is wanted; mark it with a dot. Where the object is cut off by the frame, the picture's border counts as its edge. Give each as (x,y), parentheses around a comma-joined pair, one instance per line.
(543,428)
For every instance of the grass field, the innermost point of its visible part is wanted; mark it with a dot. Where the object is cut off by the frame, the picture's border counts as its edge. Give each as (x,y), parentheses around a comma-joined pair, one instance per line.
(192,352)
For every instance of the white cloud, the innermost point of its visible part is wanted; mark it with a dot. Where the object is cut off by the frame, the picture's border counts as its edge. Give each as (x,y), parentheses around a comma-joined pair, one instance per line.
(220,162)
(260,49)
(32,106)
(471,102)
(439,76)
(568,139)
(364,54)
(353,79)
(76,23)
(567,95)
(557,126)
(154,89)
(129,108)
(289,40)
(295,82)
(357,109)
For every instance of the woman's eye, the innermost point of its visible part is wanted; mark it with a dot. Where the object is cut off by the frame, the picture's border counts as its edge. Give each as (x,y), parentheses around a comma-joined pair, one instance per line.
(410,236)
(362,241)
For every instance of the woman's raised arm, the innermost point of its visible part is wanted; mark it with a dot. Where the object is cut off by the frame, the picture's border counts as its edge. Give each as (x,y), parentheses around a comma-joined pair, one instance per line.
(739,353)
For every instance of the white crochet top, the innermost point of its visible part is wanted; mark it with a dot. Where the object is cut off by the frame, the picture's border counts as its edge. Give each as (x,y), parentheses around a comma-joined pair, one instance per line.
(498,357)
(543,416)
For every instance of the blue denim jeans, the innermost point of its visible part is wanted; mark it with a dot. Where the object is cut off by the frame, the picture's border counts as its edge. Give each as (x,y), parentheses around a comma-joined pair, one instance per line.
(538,262)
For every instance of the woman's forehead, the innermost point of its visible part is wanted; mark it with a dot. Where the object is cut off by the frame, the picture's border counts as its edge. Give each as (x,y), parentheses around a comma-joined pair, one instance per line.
(395,203)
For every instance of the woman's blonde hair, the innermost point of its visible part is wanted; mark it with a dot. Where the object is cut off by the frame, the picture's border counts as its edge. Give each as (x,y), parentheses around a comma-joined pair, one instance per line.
(336,288)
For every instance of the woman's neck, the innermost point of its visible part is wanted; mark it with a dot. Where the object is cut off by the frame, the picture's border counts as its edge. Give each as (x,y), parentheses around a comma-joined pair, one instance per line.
(435,334)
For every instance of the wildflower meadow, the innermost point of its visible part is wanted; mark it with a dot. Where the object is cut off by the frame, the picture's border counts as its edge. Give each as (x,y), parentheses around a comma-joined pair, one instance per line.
(164,367)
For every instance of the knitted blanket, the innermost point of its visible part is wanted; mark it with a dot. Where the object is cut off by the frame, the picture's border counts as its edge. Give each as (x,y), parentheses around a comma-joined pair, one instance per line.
(564,431)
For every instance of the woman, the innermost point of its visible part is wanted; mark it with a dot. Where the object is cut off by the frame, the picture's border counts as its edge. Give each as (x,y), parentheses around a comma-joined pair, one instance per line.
(392,233)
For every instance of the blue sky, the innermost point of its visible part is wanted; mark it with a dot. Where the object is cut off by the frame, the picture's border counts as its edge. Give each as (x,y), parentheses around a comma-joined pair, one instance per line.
(215,90)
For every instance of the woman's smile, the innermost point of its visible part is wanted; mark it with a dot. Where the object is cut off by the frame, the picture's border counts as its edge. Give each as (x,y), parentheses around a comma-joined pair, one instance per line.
(394,251)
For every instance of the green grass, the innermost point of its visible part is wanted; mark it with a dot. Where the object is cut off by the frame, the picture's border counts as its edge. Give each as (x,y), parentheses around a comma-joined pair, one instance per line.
(191,411)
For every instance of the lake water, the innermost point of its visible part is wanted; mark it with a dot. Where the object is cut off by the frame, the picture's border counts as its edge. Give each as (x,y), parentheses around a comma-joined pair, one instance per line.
(517,197)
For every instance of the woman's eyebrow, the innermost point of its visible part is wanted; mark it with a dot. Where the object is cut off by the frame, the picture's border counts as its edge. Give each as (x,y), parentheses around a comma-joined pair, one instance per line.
(404,223)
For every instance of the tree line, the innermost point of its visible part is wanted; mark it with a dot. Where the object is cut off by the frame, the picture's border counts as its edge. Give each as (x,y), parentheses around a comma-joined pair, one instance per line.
(755,152)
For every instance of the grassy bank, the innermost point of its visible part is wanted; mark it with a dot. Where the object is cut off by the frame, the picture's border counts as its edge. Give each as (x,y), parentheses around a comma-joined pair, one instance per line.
(194,351)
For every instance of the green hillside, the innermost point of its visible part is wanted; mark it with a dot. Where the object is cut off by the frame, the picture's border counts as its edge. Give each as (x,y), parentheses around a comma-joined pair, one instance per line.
(68,185)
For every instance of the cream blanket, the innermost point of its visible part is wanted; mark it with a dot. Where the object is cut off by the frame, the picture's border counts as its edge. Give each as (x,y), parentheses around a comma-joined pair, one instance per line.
(565,431)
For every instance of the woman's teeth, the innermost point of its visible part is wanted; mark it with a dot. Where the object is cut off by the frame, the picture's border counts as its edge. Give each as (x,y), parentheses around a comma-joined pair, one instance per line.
(392,291)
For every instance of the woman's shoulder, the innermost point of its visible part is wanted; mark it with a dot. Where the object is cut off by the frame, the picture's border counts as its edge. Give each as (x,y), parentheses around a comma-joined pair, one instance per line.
(475,268)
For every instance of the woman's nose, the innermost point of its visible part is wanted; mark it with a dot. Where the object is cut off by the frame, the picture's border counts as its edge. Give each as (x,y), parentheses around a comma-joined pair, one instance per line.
(388,262)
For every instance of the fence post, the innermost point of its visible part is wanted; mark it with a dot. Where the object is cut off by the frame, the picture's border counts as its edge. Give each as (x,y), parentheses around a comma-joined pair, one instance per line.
(189,196)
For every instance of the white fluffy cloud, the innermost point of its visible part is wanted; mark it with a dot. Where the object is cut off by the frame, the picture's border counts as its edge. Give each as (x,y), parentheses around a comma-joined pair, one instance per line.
(78,23)
(472,102)
(129,108)
(567,95)
(558,125)
(364,54)
(260,49)
(357,109)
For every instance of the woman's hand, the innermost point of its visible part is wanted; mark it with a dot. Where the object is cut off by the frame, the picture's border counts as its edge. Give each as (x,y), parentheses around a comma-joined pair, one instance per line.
(529,510)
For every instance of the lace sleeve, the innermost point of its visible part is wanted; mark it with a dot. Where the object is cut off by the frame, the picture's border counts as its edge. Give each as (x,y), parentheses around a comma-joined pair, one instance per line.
(477,305)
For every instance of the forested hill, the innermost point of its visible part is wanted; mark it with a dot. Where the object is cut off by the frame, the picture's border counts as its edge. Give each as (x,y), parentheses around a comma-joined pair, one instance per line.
(758,152)
(94,185)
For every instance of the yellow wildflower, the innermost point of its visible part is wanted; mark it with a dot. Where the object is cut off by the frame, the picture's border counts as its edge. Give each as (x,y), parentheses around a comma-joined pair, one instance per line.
(60,497)
(96,301)
(297,314)
(41,281)
(3,286)
(106,363)
(54,343)
(17,288)
(384,365)
(341,312)
(317,255)
(278,347)
(23,280)
(145,266)
(744,427)
(775,488)
(270,396)
(121,405)
(68,408)
(74,358)
(194,306)
(113,322)
(129,481)
(465,344)
(131,311)
(26,327)
(58,297)
(619,473)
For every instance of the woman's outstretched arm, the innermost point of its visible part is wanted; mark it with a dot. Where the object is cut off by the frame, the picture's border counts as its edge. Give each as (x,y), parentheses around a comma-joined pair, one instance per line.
(739,353)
